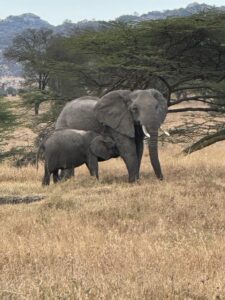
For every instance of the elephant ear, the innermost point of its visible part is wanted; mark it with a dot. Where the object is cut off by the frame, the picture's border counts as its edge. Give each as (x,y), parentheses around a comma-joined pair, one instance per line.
(99,148)
(112,110)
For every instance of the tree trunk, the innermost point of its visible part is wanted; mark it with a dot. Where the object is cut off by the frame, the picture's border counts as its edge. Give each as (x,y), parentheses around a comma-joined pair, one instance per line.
(36,108)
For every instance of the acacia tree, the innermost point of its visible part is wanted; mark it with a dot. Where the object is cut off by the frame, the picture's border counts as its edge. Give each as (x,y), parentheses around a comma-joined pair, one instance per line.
(194,52)
(174,55)
(34,97)
(69,68)
(30,49)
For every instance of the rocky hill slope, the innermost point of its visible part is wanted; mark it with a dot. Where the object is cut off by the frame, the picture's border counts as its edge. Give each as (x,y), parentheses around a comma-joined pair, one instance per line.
(9,28)
(13,25)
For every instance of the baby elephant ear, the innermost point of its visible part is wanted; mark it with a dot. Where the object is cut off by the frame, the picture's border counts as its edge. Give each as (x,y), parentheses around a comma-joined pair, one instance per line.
(110,144)
(99,148)
(112,110)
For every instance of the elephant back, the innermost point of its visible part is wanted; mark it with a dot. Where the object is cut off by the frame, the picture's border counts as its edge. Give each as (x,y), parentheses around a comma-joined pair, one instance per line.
(79,114)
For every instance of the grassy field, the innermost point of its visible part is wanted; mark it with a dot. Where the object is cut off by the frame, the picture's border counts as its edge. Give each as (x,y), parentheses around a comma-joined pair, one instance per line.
(114,240)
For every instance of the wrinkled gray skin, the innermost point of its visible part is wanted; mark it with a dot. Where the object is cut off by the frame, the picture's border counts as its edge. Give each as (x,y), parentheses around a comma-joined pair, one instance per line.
(69,148)
(120,115)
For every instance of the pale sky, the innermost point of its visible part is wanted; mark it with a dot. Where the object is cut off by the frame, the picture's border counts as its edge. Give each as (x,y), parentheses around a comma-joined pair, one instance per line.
(56,11)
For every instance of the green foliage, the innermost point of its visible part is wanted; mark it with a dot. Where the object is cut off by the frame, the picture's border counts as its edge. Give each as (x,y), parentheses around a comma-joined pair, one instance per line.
(6,116)
(30,49)
(32,98)
(11,91)
(2,92)
(175,55)
(172,55)
(7,119)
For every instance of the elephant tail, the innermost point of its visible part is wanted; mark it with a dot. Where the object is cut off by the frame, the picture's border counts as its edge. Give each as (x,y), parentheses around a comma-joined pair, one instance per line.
(41,148)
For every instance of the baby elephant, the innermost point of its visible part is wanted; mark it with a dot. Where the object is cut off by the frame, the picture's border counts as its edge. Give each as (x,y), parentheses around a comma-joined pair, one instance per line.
(70,148)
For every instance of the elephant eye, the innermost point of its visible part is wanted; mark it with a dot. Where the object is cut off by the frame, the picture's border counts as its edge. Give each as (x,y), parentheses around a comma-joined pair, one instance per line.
(134,108)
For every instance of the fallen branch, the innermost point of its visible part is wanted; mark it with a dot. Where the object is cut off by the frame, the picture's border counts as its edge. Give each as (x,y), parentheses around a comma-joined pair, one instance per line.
(205,142)
(195,98)
(20,199)
(202,109)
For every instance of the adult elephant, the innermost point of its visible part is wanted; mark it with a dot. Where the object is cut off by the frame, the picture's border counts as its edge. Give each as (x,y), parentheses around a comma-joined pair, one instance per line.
(126,116)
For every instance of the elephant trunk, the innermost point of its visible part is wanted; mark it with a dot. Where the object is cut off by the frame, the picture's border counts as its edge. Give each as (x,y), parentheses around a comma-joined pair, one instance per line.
(153,153)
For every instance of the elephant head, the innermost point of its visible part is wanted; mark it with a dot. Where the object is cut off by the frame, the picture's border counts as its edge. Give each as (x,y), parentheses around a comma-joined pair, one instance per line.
(122,110)
(103,147)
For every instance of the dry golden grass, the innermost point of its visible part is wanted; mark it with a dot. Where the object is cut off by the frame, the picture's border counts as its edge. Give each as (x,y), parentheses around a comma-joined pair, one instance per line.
(114,240)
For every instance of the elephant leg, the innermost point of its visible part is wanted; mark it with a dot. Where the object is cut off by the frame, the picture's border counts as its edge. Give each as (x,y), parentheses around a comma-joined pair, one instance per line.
(67,173)
(139,140)
(56,176)
(90,171)
(46,178)
(140,149)
(128,152)
(92,165)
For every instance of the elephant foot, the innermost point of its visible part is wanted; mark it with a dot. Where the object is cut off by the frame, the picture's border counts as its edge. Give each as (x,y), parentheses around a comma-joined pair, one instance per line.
(160,177)
(45,182)
(56,178)
(133,179)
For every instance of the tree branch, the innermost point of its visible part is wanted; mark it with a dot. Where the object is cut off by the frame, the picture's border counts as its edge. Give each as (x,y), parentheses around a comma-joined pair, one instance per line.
(20,199)
(192,88)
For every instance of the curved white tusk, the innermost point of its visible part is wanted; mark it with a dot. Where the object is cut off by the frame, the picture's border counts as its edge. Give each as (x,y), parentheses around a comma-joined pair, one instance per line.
(145,131)
(165,131)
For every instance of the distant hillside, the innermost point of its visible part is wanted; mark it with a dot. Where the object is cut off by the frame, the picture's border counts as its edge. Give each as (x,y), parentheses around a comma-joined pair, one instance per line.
(191,9)
(13,25)
(9,28)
